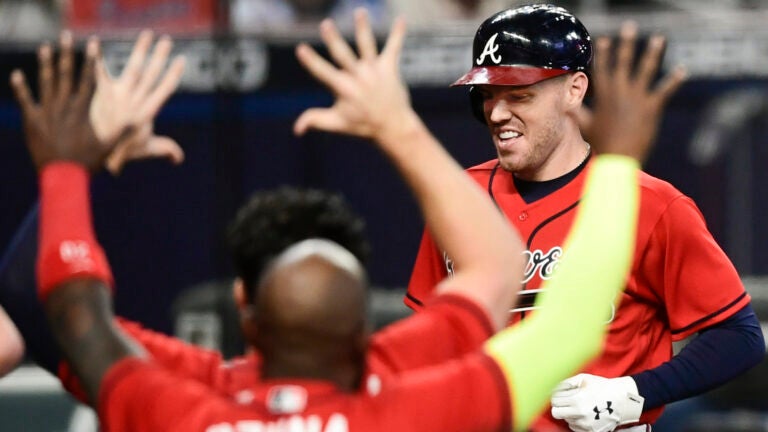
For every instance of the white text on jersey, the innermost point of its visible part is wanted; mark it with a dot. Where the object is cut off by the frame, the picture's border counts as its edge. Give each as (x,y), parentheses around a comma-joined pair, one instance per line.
(542,263)
(295,423)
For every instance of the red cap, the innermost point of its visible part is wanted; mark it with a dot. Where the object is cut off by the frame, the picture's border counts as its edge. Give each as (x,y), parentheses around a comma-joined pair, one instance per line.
(507,75)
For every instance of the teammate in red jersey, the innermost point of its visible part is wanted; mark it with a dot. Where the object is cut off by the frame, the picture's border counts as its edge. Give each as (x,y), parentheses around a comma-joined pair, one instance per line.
(264,227)
(310,304)
(527,83)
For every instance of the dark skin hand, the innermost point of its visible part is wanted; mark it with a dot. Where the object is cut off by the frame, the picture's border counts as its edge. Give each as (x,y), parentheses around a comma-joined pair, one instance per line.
(624,99)
(58,129)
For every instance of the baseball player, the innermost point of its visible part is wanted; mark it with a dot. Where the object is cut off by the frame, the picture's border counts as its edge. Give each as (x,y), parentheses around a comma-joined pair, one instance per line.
(310,305)
(265,226)
(528,78)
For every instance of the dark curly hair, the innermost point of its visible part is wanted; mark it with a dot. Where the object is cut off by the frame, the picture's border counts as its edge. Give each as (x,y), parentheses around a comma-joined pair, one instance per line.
(273,220)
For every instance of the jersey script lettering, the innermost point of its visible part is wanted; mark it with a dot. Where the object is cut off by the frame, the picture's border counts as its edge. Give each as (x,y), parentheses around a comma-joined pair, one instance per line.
(542,263)
(537,262)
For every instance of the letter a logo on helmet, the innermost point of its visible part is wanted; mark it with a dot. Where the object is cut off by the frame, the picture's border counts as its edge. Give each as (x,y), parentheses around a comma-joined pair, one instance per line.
(490,50)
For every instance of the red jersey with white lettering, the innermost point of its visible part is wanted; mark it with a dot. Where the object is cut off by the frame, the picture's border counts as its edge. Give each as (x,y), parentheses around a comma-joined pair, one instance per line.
(681,281)
(455,325)
(142,396)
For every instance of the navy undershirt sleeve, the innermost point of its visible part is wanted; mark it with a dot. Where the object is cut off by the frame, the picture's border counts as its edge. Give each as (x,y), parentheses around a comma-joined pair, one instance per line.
(715,356)
(18,294)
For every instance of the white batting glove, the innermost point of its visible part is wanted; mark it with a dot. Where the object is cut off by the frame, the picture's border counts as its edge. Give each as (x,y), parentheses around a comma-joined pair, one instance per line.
(591,403)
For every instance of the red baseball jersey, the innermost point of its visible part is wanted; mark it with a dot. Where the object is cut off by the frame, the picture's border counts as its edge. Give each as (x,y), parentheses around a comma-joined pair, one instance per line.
(681,280)
(463,395)
(454,325)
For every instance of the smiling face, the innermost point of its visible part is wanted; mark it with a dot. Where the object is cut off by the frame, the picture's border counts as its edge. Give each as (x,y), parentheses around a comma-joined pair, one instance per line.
(533,127)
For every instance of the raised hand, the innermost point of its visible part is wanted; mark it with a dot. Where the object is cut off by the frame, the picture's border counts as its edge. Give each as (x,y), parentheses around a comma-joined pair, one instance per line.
(627,109)
(371,100)
(133,99)
(57,128)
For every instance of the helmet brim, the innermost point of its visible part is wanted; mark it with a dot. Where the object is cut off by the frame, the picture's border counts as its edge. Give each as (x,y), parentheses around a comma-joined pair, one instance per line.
(507,75)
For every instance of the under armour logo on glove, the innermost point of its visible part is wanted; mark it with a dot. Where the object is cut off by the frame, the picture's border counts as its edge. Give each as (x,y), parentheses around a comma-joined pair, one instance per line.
(590,403)
(598,410)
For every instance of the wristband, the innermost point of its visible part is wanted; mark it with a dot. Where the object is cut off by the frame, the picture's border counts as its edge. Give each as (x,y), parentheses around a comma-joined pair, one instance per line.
(68,246)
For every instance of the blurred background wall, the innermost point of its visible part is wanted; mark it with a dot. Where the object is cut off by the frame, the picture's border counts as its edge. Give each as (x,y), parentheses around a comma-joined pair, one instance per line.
(163,226)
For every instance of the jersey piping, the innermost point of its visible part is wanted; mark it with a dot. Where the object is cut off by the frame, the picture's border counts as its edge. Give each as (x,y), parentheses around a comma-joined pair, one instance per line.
(414,299)
(710,316)
(525,300)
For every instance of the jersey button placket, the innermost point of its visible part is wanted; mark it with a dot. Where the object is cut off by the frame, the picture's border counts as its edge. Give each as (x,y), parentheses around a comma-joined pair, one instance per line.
(522,216)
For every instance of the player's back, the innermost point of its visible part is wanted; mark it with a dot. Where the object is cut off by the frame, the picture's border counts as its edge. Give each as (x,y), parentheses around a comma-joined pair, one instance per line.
(444,398)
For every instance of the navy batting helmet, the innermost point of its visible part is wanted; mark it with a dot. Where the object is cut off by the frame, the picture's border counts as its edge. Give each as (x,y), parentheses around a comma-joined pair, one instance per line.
(525,45)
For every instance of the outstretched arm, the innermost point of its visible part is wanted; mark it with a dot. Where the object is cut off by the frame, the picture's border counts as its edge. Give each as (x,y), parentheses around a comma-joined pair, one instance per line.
(620,89)
(73,273)
(139,109)
(543,349)
(372,102)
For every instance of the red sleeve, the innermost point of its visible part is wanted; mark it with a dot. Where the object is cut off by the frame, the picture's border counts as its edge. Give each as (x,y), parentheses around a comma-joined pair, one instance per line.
(187,360)
(449,326)
(428,270)
(184,359)
(698,284)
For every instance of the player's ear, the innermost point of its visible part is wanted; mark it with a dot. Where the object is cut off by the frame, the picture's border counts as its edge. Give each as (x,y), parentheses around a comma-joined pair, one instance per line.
(248,326)
(246,310)
(362,339)
(576,89)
